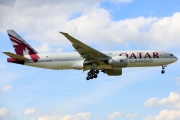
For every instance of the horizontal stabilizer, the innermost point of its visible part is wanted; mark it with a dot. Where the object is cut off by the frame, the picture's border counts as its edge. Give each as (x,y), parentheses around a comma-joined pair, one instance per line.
(15,56)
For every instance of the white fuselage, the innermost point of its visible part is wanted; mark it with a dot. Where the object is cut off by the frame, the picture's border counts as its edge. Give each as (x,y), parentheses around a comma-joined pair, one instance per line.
(72,60)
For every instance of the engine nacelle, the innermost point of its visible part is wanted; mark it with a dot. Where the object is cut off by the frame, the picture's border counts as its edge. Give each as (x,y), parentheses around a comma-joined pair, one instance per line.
(118,61)
(78,65)
(113,72)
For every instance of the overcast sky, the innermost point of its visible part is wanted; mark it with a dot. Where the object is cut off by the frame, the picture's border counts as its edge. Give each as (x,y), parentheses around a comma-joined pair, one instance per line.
(28,93)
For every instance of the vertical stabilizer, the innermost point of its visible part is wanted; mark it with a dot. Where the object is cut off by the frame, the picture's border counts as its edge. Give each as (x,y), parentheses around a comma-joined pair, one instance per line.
(21,47)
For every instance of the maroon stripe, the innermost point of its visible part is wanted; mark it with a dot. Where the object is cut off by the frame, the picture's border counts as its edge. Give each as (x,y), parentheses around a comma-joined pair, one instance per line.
(12,60)
(14,40)
(13,37)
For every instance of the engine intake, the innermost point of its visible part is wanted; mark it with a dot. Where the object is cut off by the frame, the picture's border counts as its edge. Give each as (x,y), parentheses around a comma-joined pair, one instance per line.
(118,61)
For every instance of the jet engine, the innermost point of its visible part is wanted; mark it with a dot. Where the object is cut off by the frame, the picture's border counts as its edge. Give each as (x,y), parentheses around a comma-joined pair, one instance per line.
(118,61)
(113,72)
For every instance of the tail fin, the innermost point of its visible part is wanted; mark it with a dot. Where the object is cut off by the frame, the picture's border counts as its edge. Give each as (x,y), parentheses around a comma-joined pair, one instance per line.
(21,47)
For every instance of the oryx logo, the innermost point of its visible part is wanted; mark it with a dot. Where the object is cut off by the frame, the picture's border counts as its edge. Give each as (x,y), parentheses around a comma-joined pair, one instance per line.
(22,48)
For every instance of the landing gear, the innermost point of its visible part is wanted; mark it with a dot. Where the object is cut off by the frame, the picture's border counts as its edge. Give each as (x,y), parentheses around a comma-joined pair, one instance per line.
(163,67)
(163,71)
(93,73)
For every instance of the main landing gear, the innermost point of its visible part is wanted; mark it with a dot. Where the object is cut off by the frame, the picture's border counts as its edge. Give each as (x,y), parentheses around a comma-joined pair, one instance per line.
(93,73)
(163,67)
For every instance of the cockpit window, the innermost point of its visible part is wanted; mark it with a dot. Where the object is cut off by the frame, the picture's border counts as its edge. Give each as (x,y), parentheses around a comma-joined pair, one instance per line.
(171,55)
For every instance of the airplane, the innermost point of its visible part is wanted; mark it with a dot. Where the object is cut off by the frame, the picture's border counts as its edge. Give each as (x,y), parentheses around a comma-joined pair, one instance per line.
(86,58)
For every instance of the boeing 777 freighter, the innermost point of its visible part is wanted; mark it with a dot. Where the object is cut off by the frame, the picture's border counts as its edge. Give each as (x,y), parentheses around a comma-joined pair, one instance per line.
(86,58)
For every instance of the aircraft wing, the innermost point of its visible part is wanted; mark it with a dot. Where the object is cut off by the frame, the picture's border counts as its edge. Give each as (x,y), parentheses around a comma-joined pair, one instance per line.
(86,51)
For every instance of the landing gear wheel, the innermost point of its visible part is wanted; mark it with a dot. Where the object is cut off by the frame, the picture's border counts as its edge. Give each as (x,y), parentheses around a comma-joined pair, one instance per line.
(95,76)
(97,71)
(87,78)
(91,77)
(162,71)
(89,73)
(93,72)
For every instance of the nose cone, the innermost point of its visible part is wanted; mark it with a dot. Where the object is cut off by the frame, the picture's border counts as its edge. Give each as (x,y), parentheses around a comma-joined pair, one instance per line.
(176,59)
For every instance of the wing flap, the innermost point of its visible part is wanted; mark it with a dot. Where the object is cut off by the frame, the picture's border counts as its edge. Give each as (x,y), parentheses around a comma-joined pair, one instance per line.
(15,56)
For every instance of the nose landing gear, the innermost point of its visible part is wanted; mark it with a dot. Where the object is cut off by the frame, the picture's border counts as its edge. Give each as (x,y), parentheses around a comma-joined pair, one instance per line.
(163,71)
(93,73)
(163,67)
